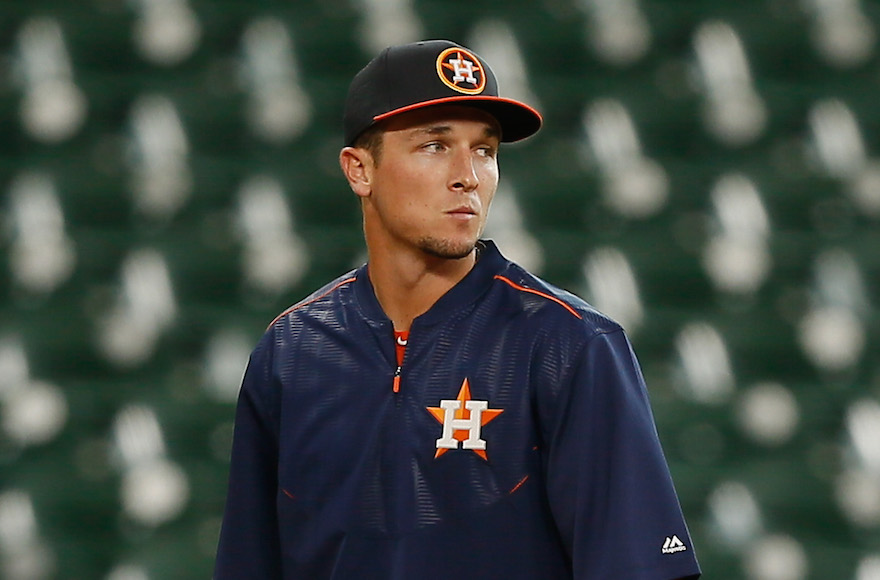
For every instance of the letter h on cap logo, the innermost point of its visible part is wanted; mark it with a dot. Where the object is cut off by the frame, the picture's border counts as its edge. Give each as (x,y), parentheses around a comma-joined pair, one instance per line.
(464,70)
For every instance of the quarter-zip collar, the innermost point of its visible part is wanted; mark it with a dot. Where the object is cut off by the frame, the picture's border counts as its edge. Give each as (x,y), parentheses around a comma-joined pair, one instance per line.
(489,263)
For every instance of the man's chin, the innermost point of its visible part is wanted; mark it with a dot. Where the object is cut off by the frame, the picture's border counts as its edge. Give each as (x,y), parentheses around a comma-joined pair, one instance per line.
(446,249)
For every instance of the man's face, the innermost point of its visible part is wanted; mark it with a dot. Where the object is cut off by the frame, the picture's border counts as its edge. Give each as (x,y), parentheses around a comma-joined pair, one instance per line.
(437,176)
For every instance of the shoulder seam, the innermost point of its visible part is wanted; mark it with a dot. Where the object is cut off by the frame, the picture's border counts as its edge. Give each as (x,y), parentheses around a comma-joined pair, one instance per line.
(521,288)
(307,302)
(582,348)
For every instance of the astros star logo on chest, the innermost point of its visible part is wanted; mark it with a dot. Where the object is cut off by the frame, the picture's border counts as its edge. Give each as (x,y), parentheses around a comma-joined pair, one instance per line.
(463,419)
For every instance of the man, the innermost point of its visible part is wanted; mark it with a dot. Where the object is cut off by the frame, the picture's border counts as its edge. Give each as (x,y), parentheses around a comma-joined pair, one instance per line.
(440,412)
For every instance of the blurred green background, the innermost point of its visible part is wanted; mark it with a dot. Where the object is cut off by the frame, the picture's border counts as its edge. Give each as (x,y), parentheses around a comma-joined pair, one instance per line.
(708,174)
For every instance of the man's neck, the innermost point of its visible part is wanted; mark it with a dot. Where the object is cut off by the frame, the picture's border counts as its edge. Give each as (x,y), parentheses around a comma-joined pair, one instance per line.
(407,285)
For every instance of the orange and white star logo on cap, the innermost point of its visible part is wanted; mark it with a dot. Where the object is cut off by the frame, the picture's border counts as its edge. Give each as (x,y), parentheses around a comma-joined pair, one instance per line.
(460,70)
(463,419)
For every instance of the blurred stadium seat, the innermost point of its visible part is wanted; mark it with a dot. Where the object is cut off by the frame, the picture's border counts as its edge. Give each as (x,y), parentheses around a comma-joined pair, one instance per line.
(709,173)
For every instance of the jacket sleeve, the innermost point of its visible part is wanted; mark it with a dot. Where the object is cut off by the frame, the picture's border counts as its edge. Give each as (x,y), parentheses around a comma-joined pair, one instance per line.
(608,483)
(249,540)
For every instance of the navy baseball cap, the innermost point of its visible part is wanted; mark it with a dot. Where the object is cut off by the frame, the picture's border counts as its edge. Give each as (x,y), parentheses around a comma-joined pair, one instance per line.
(433,72)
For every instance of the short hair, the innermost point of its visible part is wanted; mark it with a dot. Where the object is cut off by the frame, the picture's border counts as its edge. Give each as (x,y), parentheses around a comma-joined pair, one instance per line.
(371,140)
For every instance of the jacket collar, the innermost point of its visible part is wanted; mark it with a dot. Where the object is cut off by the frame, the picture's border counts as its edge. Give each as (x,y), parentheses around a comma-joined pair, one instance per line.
(489,263)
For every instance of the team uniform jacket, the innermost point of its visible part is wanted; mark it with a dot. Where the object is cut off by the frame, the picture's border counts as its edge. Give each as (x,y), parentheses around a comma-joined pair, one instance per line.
(515,441)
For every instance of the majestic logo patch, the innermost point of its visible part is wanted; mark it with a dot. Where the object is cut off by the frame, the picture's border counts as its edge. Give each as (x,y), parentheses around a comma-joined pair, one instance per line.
(673,545)
(460,70)
(463,420)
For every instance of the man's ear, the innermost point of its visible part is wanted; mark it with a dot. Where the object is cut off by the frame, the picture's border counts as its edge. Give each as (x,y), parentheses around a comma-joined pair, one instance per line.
(357,166)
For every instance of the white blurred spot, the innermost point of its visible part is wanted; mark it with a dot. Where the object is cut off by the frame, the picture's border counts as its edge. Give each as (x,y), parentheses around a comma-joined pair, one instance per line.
(735,514)
(278,107)
(144,309)
(23,554)
(154,489)
(226,357)
(274,257)
(833,338)
(737,258)
(37,562)
(154,492)
(640,190)
(736,265)
(42,255)
(617,30)
(166,31)
(832,333)
(842,34)
(733,112)
(14,368)
(839,281)
(53,111)
(869,568)
(34,414)
(858,495)
(18,524)
(863,427)
(612,287)
(161,177)
(53,108)
(776,557)
(127,572)
(768,413)
(387,23)
(632,185)
(738,207)
(137,435)
(864,190)
(839,148)
(837,138)
(705,363)
(495,41)
(505,226)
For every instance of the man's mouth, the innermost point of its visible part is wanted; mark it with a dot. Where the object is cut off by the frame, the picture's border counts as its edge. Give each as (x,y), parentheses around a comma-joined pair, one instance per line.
(463,211)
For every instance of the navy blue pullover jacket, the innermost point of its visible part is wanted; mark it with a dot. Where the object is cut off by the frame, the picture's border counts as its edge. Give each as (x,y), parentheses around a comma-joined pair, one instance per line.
(519,445)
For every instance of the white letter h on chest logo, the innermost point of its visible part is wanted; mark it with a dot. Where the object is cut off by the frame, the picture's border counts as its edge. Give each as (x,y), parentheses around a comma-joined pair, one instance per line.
(461,415)
(473,424)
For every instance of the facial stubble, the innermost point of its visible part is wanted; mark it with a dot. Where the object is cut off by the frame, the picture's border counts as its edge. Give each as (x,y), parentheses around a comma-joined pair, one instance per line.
(444,249)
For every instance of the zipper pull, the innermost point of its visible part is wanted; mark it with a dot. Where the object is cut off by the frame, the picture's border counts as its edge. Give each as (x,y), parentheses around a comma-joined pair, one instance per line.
(401,338)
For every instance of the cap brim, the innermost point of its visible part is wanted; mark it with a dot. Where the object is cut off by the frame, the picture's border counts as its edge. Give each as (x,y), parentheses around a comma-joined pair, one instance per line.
(517,120)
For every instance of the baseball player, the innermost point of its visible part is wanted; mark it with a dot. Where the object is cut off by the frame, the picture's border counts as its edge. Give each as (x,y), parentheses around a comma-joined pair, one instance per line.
(440,412)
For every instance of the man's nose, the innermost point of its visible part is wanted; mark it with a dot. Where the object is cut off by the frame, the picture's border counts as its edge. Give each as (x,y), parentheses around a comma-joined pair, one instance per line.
(464,173)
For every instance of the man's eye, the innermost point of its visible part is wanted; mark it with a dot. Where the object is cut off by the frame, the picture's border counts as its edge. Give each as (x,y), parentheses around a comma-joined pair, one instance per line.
(486,151)
(434,147)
